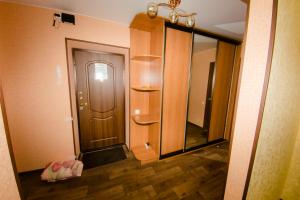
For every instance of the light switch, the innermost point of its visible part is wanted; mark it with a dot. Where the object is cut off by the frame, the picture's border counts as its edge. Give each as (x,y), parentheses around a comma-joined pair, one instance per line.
(68,119)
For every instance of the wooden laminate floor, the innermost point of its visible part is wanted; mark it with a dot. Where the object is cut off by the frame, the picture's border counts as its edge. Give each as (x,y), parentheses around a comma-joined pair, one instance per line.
(197,175)
(195,135)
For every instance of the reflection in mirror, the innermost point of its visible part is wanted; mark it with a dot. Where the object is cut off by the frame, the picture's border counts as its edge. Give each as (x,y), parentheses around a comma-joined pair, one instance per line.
(200,93)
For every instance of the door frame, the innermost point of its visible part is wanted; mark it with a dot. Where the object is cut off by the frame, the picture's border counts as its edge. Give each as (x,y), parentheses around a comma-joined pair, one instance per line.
(92,46)
(211,78)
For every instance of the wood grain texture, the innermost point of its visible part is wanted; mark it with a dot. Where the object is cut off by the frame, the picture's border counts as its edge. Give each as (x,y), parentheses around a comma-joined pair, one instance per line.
(233,93)
(94,47)
(146,119)
(144,155)
(100,104)
(145,88)
(176,75)
(142,22)
(223,77)
(146,57)
(147,43)
(155,101)
(200,175)
(139,70)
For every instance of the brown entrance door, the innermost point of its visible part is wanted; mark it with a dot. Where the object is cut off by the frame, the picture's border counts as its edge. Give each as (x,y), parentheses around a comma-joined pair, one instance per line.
(100,99)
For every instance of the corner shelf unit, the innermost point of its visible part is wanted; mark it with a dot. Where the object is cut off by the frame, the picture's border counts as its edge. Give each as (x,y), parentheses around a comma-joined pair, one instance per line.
(146,67)
(144,155)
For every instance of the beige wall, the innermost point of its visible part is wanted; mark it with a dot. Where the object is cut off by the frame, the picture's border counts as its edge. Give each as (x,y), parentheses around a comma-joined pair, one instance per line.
(281,118)
(198,86)
(37,102)
(8,186)
(253,68)
(292,184)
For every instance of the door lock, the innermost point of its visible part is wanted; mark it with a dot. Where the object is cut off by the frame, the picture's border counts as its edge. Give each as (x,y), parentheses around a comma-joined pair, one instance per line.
(83,104)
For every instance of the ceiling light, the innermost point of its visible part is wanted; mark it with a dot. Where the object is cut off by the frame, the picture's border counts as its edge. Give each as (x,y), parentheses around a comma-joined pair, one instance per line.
(173,16)
(152,9)
(175,13)
(190,21)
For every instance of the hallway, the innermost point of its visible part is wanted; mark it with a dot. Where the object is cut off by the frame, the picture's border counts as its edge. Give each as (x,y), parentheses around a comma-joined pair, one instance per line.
(197,175)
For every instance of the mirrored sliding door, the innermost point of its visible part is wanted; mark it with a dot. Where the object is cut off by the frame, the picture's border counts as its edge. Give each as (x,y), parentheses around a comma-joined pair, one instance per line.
(200,91)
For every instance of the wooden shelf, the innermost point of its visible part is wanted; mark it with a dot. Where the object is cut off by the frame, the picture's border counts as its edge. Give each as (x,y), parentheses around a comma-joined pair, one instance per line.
(145,119)
(145,88)
(144,155)
(142,22)
(145,57)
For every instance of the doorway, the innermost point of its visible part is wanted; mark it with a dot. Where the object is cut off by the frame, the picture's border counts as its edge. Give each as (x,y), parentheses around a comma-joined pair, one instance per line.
(98,80)
(100,99)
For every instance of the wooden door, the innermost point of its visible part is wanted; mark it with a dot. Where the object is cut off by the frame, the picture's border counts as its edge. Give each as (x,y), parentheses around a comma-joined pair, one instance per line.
(221,91)
(175,91)
(100,99)
(233,93)
(208,104)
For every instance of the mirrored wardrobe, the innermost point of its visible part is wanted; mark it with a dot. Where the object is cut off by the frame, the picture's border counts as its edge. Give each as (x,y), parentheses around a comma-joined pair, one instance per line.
(183,84)
(200,92)
(212,89)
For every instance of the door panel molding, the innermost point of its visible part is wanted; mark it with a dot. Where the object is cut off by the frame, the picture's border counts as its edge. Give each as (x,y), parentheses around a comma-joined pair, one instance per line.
(93,47)
(89,84)
(96,94)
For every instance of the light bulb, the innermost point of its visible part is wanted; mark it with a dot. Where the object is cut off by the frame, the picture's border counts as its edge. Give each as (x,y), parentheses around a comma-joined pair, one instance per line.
(190,21)
(173,17)
(152,9)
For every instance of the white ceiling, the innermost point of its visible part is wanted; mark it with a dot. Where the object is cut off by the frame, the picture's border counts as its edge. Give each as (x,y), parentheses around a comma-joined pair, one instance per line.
(203,43)
(235,27)
(203,39)
(210,13)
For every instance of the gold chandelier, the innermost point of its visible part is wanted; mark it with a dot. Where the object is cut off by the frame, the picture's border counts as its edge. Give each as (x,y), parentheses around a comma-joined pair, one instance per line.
(175,13)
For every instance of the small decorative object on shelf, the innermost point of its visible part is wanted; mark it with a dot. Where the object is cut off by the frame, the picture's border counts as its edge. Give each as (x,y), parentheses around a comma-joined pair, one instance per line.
(175,13)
